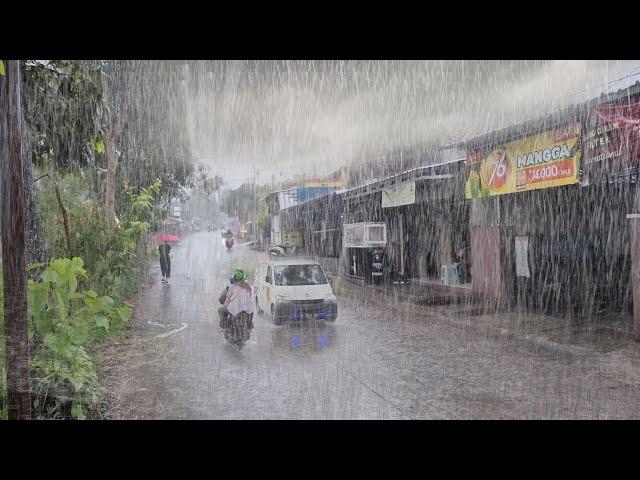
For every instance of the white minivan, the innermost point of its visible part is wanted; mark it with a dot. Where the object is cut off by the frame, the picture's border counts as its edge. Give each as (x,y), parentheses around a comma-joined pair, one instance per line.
(294,289)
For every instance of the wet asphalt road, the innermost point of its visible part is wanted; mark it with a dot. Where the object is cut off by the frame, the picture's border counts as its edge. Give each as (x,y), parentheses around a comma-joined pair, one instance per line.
(374,362)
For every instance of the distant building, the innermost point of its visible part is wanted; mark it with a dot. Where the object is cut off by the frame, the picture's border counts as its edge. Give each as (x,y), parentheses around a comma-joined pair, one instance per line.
(176,208)
(302,189)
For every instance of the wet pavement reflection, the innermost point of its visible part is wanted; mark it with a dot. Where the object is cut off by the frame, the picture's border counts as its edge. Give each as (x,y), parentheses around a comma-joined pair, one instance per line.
(305,337)
(371,363)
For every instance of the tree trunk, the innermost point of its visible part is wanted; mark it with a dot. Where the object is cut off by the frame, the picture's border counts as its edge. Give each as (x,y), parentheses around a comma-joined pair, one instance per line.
(65,221)
(110,192)
(36,246)
(13,247)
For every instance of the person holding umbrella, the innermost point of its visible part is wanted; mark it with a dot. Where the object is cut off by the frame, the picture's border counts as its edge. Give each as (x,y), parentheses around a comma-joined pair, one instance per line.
(165,261)
(164,249)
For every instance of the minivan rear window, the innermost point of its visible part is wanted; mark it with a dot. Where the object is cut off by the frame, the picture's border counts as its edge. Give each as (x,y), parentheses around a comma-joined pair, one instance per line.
(297,275)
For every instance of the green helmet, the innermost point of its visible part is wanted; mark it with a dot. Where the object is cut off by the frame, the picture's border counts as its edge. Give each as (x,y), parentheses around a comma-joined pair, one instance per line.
(239,276)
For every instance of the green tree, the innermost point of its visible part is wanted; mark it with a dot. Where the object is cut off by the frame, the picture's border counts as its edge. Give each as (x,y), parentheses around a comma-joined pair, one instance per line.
(112,121)
(155,145)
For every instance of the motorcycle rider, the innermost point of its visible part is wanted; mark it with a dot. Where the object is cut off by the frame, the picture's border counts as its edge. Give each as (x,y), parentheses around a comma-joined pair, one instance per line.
(239,297)
(222,311)
(227,236)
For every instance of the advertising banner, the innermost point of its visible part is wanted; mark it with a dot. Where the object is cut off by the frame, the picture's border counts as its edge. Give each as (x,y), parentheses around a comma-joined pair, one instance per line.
(611,141)
(547,159)
(403,194)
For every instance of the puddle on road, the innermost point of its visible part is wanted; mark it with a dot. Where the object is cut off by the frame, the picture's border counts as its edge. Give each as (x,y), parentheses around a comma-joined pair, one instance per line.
(442,300)
(601,339)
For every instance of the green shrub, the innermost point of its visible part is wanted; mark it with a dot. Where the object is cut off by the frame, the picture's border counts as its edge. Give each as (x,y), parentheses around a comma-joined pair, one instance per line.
(67,317)
(63,321)
(115,259)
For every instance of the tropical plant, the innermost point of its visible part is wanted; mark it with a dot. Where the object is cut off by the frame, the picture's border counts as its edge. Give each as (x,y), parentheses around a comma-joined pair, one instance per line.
(63,320)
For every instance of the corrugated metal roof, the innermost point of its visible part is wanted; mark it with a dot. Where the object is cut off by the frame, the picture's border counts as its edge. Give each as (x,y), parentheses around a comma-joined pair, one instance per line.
(419,173)
(548,121)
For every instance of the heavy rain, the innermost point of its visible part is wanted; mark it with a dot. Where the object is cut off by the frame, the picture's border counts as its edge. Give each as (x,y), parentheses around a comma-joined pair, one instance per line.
(321,239)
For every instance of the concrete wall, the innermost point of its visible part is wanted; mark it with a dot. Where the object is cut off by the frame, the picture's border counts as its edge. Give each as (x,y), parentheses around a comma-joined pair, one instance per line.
(486,265)
(276,237)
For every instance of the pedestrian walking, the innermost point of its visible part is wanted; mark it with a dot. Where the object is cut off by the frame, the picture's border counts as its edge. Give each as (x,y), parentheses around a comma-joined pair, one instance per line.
(165,261)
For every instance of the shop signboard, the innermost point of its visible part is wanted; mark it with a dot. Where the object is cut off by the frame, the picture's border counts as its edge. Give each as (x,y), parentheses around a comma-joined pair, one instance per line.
(291,237)
(611,140)
(547,159)
(403,194)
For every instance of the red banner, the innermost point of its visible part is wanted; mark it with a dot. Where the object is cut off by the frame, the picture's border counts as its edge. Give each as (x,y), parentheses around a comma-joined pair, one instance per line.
(612,140)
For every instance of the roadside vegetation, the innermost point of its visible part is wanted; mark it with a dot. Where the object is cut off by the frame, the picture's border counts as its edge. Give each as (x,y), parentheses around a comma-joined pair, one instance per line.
(76,302)
(98,185)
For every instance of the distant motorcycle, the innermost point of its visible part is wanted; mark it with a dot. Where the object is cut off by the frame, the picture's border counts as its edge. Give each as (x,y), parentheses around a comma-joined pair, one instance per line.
(237,331)
(228,242)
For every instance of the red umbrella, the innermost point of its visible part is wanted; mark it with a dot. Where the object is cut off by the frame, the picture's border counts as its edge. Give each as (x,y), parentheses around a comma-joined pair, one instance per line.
(165,237)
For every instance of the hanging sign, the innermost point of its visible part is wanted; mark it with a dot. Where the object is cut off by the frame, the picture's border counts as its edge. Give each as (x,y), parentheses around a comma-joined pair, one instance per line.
(403,194)
(522,257)
(547,159)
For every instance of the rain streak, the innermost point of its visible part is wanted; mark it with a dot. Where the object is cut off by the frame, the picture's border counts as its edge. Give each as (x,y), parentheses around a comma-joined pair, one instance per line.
(320,239)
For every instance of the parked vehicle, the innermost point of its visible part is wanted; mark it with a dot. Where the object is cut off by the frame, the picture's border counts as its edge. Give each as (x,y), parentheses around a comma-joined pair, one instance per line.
(294,289)
(282,250)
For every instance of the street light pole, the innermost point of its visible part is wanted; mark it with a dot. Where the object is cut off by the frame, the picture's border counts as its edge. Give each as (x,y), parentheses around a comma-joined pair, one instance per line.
(14,270)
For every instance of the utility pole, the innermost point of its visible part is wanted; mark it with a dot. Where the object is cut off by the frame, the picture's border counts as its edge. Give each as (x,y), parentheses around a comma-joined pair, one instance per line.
(14,270)
(253,191)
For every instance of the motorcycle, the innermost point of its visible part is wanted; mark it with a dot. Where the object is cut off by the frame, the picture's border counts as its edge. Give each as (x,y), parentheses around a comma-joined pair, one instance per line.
(228,242)
(237,330)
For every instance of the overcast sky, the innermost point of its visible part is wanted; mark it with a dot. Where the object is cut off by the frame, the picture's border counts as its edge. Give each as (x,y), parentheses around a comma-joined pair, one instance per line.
(291,117)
